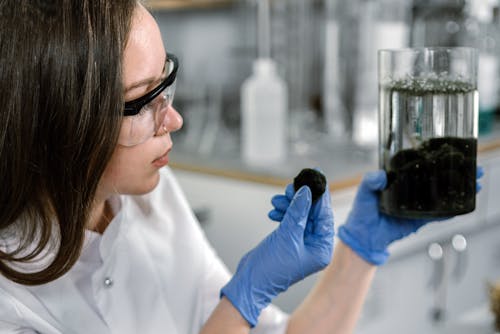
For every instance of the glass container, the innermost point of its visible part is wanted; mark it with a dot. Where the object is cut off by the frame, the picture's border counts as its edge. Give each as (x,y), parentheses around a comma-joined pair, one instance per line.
(428,116)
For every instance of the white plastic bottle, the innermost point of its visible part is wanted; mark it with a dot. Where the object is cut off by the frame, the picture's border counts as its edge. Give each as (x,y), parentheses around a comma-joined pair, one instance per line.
(264,115)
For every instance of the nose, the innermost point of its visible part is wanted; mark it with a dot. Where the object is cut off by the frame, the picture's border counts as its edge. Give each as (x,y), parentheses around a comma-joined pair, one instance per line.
(172,121)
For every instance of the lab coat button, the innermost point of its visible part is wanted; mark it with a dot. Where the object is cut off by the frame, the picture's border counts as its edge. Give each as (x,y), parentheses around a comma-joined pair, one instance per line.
(108,282)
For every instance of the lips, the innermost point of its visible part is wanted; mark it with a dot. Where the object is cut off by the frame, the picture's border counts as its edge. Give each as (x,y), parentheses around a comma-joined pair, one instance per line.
(162,160)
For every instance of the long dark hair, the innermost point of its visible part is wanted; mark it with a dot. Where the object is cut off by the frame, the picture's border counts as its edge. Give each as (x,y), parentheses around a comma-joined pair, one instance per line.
(61,101)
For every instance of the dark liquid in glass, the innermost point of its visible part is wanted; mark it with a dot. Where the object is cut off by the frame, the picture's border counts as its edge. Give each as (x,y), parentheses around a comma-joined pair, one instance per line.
(436,179)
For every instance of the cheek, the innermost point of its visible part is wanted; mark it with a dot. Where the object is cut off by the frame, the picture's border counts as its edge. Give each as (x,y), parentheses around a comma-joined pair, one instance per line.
(129,172)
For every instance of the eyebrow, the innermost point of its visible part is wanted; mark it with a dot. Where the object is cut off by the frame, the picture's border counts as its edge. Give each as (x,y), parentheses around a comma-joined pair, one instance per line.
(147,81)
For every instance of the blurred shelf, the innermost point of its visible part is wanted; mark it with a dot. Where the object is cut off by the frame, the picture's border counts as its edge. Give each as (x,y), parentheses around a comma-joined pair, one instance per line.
(242,175)
(344,171)
(187,4)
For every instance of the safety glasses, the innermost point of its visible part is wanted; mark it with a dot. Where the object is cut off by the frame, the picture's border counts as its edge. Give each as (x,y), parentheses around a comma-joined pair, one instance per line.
(134,107)
(144,115)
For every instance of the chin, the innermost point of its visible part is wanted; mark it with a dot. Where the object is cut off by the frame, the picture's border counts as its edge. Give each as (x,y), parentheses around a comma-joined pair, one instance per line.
(152,183)
(145,186)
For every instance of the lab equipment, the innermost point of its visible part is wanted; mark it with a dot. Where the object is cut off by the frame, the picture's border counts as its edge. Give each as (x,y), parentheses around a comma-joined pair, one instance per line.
(428,114)
(383,24)
(264,104)
(333,104)
(488,82)
(482,33)
(301,245)
(438,22)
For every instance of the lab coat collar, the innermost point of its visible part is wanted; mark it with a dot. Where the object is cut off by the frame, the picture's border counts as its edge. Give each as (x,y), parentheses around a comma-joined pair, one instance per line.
(112,231)
(110,235)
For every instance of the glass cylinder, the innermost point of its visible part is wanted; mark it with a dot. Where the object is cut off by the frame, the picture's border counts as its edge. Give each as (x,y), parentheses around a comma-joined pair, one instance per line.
(428,115)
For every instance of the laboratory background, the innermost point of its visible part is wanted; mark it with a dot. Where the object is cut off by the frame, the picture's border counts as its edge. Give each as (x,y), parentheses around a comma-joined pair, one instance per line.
(317,60)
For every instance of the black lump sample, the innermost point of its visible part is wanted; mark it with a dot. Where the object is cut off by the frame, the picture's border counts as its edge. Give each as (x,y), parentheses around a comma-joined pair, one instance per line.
(315,180)
(436,179)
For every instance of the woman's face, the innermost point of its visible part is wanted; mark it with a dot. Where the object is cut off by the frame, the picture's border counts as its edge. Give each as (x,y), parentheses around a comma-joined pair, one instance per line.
(134,170)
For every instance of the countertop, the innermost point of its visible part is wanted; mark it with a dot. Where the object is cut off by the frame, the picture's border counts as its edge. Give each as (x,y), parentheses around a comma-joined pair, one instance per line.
(343,164)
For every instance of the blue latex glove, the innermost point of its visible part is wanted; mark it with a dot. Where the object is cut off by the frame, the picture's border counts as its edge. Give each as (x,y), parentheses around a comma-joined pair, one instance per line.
(301,245)
(369,232)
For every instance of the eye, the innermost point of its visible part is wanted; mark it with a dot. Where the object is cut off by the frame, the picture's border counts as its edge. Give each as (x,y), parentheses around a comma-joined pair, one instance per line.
(157,102)
(144,110)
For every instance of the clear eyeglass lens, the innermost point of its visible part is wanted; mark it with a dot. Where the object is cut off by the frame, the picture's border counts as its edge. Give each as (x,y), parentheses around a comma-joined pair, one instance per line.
(139,128)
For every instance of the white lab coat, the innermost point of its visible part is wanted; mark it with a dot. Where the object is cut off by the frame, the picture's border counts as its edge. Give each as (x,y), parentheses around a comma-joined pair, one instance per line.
(152,271)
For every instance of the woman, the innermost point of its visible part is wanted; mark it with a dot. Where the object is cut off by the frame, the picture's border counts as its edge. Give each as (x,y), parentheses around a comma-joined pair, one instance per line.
(97,237)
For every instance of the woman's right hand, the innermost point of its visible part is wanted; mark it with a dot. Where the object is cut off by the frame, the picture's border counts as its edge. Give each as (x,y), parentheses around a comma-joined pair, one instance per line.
(301,245)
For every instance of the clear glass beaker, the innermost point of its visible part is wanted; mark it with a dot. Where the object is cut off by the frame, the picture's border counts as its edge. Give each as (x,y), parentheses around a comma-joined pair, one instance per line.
(428,115)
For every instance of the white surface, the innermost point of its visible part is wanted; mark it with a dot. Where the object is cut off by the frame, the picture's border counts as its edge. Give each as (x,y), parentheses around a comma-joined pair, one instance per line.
(478,321)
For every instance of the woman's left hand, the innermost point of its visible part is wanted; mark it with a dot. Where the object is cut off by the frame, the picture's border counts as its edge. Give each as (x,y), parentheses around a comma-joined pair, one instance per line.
(369,232)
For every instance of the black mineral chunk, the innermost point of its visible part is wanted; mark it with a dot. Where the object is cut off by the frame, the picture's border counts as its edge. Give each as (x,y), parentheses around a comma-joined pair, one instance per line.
(315,180)
(404,157)
(436,179)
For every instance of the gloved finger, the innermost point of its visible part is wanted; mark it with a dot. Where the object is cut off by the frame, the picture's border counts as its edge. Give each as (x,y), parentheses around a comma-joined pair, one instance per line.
(289,191)
(418,223)
(276,215)
(407,226)
(280,202)
(479,175)
(371,183)
(295,218)
(319,207)
(309,228)
(479,172)
(322,216)
(411,226)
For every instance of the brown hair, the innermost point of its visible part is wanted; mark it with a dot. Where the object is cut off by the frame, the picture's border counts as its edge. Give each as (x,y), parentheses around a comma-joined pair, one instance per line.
(61,100)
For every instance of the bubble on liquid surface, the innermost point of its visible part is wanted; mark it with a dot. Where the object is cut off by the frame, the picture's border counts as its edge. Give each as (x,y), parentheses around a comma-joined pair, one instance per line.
(431,83)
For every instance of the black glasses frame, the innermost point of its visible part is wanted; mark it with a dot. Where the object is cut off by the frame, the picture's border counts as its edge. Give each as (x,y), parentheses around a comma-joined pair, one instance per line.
(134,107)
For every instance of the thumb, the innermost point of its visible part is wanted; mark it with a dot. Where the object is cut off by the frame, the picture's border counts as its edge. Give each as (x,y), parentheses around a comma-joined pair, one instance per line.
(296,215)
(371,183)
